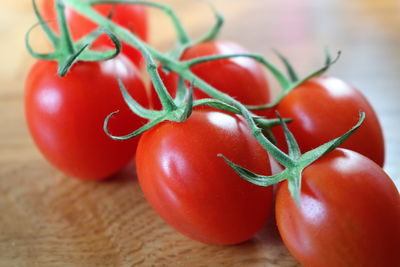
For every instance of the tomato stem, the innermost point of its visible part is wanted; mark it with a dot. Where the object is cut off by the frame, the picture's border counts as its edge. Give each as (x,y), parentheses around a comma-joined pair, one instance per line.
(134,105)
(285,90)
(278,154)
(66,52)
(29,47)
(50,34)
(215,30)
(283,81)
(66,42)
(183,37)
(210,35)
(289,68)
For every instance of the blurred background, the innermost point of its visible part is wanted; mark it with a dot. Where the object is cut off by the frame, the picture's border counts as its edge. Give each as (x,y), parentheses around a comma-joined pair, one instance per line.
(366,31)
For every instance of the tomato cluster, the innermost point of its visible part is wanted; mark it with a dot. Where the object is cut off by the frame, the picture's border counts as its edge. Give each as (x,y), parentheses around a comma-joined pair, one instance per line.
(349,214)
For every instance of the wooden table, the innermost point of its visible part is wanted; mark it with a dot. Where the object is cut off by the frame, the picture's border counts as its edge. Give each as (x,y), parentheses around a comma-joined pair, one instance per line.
(49,219)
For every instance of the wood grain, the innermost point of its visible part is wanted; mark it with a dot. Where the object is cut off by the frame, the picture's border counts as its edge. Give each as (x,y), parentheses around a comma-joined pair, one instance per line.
(49,219)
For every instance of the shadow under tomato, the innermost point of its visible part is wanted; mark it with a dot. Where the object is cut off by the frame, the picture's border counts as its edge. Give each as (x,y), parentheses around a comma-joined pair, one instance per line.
(268,234)
(127,174)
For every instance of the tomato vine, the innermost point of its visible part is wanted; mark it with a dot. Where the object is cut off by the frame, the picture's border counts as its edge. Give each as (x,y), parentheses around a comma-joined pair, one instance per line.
(179,109)
(66,52)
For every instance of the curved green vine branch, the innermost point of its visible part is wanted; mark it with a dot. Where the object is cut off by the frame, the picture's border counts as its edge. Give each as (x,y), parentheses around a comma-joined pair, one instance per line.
(66,52)
(181,33)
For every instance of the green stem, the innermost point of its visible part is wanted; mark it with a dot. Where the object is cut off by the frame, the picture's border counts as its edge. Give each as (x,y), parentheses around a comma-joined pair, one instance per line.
(50,56)
(260,121)
(280,156)
(167,101)
(50,34)
(210,35)
(134,105)
(66,52)
(286,90)
(181,33)
(66,39)
(256,131)
(283,81)
(289,68)
(85,9)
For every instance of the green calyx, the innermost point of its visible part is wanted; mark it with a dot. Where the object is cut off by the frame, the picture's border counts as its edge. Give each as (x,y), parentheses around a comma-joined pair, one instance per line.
(293,81)
(294,78)
(295,162)
(178,109)
(180,31)
(66,52)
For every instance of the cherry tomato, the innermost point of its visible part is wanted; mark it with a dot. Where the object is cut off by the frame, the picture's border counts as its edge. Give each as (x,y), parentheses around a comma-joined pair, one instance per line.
(349,214)
(194,190)
(132,17)
(242,78)
(65,115)
(322,109)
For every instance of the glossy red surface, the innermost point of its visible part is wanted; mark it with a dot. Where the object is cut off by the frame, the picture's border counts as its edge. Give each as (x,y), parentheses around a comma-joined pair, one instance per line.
(349,214)
(65,115)
(194,190)
(325,108)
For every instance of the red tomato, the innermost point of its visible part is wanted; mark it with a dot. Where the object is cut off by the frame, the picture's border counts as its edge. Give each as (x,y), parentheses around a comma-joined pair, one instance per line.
(242,78)
(194,190)
(65,115)
(132,17)
(349,214)
(324,108)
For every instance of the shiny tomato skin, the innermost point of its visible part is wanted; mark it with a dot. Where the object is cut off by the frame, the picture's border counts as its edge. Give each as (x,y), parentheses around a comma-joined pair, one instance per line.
(324,108)
(132,17)
(195,191)
(349,215)
(65,115)
(242,78)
